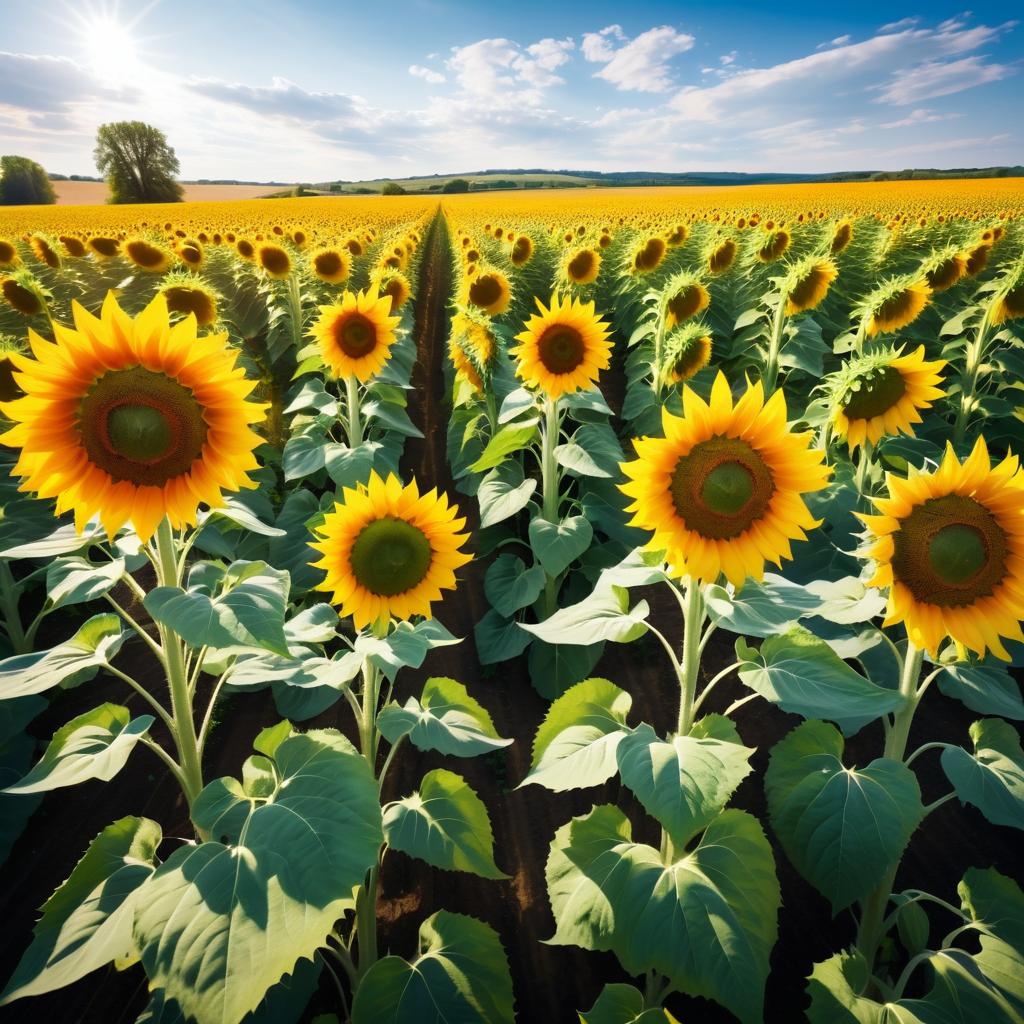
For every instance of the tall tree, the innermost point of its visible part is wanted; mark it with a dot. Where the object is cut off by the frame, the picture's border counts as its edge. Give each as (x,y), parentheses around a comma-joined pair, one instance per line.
(23,182)
(137,162)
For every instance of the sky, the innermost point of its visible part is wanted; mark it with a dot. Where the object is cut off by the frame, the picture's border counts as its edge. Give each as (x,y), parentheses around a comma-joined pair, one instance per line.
(317,90)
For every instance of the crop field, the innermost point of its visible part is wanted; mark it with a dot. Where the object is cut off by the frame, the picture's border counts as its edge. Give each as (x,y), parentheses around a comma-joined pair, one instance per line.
(90,193)
(585,605)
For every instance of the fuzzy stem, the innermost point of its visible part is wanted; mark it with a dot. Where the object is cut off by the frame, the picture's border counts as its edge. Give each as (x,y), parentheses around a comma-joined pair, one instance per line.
(366,899)
(550,481)
(10,592)
(975,355)
(690,665)
(354,424)
(771,369)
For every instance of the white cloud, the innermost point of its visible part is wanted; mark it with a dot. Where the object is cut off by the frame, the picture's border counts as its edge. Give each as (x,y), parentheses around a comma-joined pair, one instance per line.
(433,77)
(922,115)
(899,26)
(932,79)
(508,73)
(838,41)
(641,64)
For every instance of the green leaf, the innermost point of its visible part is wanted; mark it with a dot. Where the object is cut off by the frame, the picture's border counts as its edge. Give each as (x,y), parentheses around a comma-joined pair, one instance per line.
(842,828)
(506,441)
(95,644)
(348,467)
(555,667)
(459,975)
(498,639)
(604,615)
(623,1004)
(847,601)
(759,609)
(76,580)
(996,904)
(684,782)
(504,492)
(803,675)
(405,646)
(444,824)
(234,512)
(445,718)
(557,545)
(993,778)
(226,919)
(62,541)
(303,455)
(95,745)
(576,743)
(578,460)
(509,585)
(317,624)
(835,988)
(985,689)
(249,614)
(707,921)
(87,922)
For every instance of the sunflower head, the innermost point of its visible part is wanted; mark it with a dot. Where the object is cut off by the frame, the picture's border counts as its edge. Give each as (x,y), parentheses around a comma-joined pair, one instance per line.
(188,294)
(944,268)
(23,293)
(1010,304)
(807,283)
(274,261)
(948,546)
(977,258)
(8,255)
(522,250)
(882,393)
(721,491)
(191,253)
(473,347)
(146,255)
(841,237)
(330,265)
(395,285)
(73,246)
(245,249)
(774,245)
(10,346)
(721,256)
(356,334)
(389,551)
(684,296)
(687,352)
(44,251)
(677,236)
(563,347)
(132,420)
(896,304)
(648,255)
(103,248)
(583,266)
(489,291)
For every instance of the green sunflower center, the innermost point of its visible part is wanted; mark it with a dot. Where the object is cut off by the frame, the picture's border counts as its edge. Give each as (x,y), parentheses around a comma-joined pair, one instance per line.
(877,393)
(390,556)
(950,551)
(561,348)
(141,427)
(721,488)
(356,335)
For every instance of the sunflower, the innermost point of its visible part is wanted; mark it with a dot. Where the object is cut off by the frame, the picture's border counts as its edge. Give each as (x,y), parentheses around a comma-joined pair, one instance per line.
(807,284)
(687,352)
(74,247)
(773,246)
(103,248)
(245,249)
(582,267)
(329,265)
(977,258)
(678,235)
(841,237)
(649,255)
(1010,305)
(132,419)
(22,293)
(274,260)
(473,346)
(8,255)
(562,349)
(395,285)
(722,256)
(154,259)
(944,268)
(490,291)
(44,252)
(188,293)
(721,491)
(191,253)
(882,393)
(896,304)
(949,545)
(356,334)
(686,296)
(522,250)
(389,551)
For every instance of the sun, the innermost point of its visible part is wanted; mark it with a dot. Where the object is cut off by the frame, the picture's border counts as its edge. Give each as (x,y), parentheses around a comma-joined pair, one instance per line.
(108,43)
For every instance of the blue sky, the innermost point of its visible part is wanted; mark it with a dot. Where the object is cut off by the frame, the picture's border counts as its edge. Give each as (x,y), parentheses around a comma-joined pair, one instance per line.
(289,90)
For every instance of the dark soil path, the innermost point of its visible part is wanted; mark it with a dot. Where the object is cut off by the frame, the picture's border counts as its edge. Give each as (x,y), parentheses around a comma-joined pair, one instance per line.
(551,982)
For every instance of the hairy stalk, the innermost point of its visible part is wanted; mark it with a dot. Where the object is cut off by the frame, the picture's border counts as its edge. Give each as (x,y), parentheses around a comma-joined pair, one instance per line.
(366,899)
(659,345)
(353,420)
(690,665)
(550,482)
(10,592)
(771,368)
(974,357)
(295,309)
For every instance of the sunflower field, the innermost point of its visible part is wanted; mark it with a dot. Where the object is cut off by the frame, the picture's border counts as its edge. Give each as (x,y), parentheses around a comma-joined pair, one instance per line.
(546,606)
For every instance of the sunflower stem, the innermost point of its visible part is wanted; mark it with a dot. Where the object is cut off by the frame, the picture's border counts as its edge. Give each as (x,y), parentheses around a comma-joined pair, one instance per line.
(871,929)
(771,369)
(863,470)
(550,498)
(366,899)
(659,343)
(10,591)
(185,738)
(295,309)
(975,355)
(693,624)
(353,423)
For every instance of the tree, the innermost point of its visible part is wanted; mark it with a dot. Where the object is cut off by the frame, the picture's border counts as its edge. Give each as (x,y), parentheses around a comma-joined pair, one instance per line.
(456,185)
(137,162)
(24,182)
(391,189)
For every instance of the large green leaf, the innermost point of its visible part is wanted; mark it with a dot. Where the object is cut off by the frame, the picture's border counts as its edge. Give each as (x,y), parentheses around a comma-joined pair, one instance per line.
(94,745)
(803,675)
(509,585)
(226,919)
(405,646)
(706,921)
(506,441)
(993,778)
(498,638)
(460,976)
(555,667)
(445,824)
(76,580)
(250,613)
(504,492)
(445,718)
(623,1004)
(985,689)
(996,905)
(95,644)
(761,608)
(604,615)
(842,828)
(87,922)
(576,743)
(684,782)
(557,545)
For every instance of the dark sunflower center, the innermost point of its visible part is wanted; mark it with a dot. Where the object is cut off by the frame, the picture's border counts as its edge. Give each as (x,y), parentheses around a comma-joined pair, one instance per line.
(950,551)
(581,264)
(879,391)
(356,335)
(685,303)
(721,488)
(141,427)
(895,307)
(561,348)
(485,291)
(390,556)
(328,263)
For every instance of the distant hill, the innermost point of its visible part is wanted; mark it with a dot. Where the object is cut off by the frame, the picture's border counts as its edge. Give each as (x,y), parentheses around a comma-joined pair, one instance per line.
(538,177)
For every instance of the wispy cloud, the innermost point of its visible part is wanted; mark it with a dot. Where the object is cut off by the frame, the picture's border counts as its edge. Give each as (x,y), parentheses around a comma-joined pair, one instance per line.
(428,75)
(640,64)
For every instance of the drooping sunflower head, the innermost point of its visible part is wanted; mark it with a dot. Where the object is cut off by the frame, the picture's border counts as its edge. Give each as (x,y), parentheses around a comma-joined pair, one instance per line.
(648,255)
(522,250)
(330,265)
(148,256)
(582,266)
(356,334)
(395,285)
(132,420)
(8,255)
(191,252)
(44,251)
(841,237)
(245,249)
(473,347)
(977,258)
(1010,304)
(23,293)
(883,393)
(949,546)
(944,268)
(687,352)
(389,551)
(274,261)
(807,283)
(896,304)
(721,491)
(10,346)
(103,248)
(773,246)
(563,347)
(684,296)
(188,294)
(677,236)
(489,291)
(721,256)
